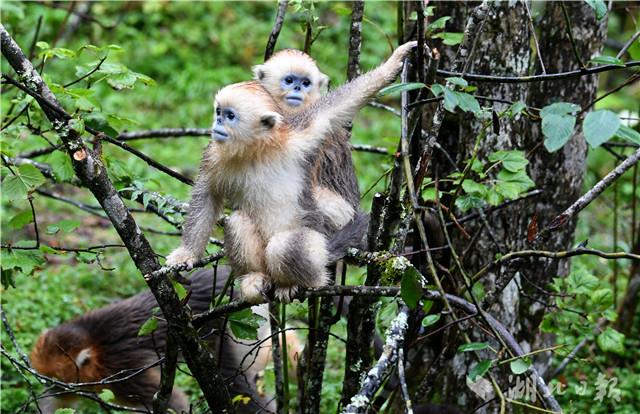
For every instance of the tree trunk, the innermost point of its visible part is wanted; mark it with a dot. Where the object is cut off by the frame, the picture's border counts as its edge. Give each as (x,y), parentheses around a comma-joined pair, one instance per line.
(503,46)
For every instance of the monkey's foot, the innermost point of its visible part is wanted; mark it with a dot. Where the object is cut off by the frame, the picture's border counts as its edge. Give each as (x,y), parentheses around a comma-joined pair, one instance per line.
(253,287)
(285,294)
(181,255)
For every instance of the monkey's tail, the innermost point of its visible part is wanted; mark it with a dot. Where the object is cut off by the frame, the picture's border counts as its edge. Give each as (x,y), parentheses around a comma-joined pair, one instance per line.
(351,235)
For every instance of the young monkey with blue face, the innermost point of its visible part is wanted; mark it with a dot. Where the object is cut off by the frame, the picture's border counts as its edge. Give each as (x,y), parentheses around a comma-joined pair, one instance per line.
(258,160)
(294,80)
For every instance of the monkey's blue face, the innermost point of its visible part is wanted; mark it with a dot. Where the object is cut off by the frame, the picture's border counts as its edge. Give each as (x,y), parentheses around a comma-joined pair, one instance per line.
(226,119)
(297,88)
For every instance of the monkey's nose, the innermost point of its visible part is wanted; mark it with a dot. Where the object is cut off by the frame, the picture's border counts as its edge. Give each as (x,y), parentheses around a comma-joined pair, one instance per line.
(296,88)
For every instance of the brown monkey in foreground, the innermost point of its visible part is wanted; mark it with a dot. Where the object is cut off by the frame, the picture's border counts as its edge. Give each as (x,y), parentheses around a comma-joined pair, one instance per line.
(294,80)
(105,341)
(259,161)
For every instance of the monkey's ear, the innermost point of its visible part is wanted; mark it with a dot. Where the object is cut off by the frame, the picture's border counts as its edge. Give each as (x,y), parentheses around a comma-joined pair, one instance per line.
(270,119)
(324,83)
(83,357)
(259,72)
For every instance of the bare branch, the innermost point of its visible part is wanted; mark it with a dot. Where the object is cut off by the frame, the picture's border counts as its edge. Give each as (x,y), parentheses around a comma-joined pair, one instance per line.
(537,78)
(277,26)
(375,376)
(590,195)
(93,175)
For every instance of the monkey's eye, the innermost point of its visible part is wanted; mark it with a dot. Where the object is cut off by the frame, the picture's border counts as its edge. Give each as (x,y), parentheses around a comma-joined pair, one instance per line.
(231,116)
(306,83)
(217,111)
(288,80)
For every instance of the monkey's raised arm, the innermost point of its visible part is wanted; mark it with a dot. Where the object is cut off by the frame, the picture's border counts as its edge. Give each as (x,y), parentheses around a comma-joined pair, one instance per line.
(204,210)
(339,107)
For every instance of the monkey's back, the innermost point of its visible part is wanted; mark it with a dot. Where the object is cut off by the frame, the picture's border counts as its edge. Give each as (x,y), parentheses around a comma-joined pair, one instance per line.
(333,168)
(116,326)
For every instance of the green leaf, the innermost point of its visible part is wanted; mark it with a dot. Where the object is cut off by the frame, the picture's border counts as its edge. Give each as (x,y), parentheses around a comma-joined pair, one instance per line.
(559,108)
(21,219)
(508,190)
(64,410)
(557,129)
(520,178)
(607,60)
(438,24)
(27,179)
(602,298)
(450,38)
(611,341)
(473,346)
(581,281)
(68,225)
(401,87)
(629,134)
(42,45)
(410,287)
(467,102)
(468,201)
(180,290)
(458,81)
(25,260)
(494,197)
(519,366)
(599,6)
(600,126)
(517,108)
(106,395)
(244,324)
(86,257)
(513,161)
(479,369)
(98,121)
(450,100)
(61,165)
(148,327)
(430,320)
(471,187)
(437,89)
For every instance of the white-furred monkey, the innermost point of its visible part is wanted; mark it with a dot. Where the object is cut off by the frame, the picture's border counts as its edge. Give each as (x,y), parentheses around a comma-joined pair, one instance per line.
(259,161)
(293,79)
(105,341)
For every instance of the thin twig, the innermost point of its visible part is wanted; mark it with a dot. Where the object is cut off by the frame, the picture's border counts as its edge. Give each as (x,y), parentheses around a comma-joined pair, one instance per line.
(275,31)
(567,22)
(476,77)
(403,382)
(628,44)
(86,75)
(590,195)
(395,339)
(276,355)
(535,37)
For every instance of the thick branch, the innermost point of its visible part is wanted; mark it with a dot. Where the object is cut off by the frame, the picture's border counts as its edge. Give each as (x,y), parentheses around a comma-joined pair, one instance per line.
(90,169)
(375,376)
